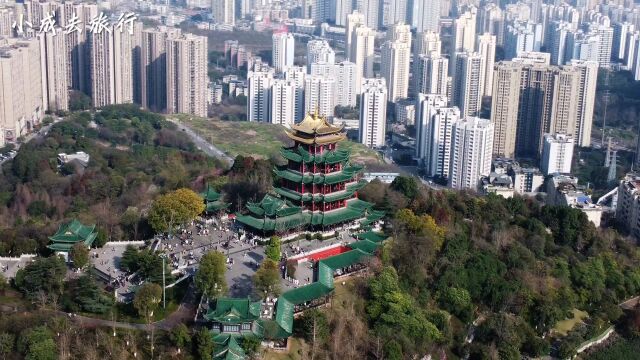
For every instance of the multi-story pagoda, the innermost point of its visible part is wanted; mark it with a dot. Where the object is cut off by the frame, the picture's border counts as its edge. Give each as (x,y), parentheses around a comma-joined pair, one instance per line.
(316,189)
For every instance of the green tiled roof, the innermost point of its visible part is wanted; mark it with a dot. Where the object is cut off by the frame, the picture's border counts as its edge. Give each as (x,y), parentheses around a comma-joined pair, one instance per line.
(347,174)
(210,194)
(371,236)
(234,311)
(71,233)
(306,293)
(299,154)
(365,245)
(346,259)
(227,348)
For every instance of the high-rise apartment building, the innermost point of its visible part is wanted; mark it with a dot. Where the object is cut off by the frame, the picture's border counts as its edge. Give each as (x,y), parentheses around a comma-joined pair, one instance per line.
(362,53)
(605,44)
(557,153)
(343,9)
(486,47)
(531,98)
(393,12)
(319,95)
(345,83)
(621,31)
(373,113)
(471,148)
(396,61)
(297,75)
(53,58)
(319,51)
(588,73)
(154,67)
(430,74)
(464,31)
(21,99)
(427,43)
(426,107)
(224,11)
(258,102)
(557,44)
(283,110)
(353,21)
(102,74)
(434,125)
(522,36)
(628,207)
(371,11)
(467,83)
(425,15)
(187,58)
(283,51)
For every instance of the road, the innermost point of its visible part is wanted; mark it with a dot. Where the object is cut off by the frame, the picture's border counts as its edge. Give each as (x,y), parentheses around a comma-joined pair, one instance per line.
(203,144)
(35,134)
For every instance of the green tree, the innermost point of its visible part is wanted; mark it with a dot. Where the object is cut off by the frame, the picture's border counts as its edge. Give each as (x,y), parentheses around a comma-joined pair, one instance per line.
(204,344)
(37,344)
(43,350)
(7,342)
(129,259)
(266,280)
(273,249)
(393,350)
(147,299)
(408,186)
(84,294)
(315,328)
(176,207)
(79,255)
(250,345)
(180,337)
(43,275)
(210,276)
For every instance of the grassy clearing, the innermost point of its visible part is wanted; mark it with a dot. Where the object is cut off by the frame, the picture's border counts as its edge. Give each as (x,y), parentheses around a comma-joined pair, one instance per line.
(297,347)
(259,139)
(563,327)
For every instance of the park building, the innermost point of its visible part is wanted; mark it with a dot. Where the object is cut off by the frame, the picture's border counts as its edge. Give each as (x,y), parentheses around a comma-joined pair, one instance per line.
(70,234)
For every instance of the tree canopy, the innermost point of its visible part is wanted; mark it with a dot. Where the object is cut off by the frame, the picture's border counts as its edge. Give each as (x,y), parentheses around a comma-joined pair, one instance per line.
(210,276)
(175,208)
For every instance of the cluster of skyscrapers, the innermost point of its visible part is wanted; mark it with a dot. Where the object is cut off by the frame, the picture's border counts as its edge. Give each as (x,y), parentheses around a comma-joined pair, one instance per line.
(160,69)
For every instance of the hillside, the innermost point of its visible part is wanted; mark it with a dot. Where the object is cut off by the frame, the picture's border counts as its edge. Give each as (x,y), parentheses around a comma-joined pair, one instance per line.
(260,140)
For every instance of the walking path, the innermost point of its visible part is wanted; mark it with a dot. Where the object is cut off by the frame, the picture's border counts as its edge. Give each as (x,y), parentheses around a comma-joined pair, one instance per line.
(203,144)
(186,312)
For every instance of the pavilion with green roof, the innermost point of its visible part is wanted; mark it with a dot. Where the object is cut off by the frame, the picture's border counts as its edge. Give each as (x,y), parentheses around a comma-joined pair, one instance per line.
(234,316)
(213,200)
(71,233)
(316,190)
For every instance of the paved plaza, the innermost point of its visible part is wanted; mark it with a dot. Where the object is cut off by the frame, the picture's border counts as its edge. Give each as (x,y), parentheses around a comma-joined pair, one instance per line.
(10,266)
(185,248)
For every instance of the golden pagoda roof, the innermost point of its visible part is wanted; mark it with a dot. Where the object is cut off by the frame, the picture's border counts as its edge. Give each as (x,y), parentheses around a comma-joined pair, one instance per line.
(315,129)
(314,124)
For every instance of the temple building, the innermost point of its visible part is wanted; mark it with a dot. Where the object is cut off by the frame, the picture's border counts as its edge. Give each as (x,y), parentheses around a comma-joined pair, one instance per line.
(317,189)
(213,200)
(71,233)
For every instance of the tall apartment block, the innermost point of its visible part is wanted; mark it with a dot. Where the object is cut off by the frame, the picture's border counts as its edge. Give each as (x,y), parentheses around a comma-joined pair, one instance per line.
(283,51)
(53,59)
(259,100)
(471,147)
(21,98)
(531,98)
(467,83)
(373,113)
(224,11)
(396,61)
(187,58)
